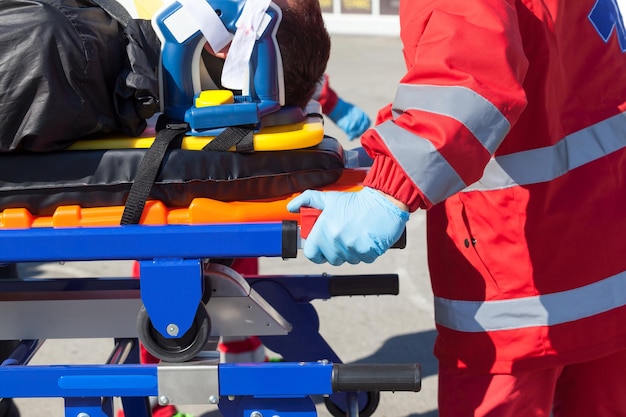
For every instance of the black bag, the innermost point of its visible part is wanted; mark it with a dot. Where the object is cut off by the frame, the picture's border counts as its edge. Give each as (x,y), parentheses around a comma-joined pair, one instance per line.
(69,70)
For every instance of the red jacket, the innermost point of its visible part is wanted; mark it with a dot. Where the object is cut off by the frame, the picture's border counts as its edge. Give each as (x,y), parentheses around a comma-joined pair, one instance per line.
(510,128)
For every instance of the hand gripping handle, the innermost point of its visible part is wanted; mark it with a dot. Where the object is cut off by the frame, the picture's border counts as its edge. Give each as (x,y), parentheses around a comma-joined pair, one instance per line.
(309,215)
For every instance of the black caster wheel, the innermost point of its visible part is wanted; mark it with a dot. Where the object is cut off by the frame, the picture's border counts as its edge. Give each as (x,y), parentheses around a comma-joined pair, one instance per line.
(8,408)
(178,349)
(366,410)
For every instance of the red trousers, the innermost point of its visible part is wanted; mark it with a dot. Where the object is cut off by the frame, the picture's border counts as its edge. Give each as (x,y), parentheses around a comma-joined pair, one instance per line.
(596,388)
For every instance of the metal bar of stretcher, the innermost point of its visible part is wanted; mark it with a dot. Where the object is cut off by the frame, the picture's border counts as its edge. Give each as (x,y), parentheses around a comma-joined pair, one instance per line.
(272,239)
(277,380)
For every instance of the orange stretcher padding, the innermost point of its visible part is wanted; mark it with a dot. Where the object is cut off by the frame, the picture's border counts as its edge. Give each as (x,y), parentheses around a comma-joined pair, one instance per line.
(200,211)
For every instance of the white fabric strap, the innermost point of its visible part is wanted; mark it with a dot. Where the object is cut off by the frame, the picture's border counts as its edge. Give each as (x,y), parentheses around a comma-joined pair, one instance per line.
(204,17)
(250,26)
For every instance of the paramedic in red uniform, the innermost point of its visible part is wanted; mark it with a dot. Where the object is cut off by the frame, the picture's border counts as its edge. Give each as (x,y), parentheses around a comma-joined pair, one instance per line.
(509,128)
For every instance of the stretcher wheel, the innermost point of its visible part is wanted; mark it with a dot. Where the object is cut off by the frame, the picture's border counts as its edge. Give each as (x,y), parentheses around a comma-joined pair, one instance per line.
(178,349)
(365,410)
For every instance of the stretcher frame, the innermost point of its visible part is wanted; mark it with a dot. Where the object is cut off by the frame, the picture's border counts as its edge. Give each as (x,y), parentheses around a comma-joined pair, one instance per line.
(177,251)
(278,310)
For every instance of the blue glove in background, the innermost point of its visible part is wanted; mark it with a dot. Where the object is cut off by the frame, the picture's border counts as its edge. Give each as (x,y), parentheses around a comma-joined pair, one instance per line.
(350,119)
(353,226)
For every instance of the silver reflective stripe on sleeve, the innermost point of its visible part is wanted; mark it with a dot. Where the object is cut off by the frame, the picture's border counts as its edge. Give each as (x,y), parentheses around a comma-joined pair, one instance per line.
(422,162)
(542,310)
(546,164)
(476,113)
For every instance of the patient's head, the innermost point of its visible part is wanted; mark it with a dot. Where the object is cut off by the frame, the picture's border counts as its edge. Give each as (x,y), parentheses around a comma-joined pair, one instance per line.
(304,47)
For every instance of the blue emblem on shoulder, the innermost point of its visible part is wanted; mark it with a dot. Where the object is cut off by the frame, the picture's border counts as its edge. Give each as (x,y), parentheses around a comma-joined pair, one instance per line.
(605,16)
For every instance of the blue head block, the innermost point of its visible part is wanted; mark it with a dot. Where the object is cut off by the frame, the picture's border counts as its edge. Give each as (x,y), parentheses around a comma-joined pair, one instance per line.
(182,45)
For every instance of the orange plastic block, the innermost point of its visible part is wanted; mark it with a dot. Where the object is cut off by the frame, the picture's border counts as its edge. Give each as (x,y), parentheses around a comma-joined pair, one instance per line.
(16,218)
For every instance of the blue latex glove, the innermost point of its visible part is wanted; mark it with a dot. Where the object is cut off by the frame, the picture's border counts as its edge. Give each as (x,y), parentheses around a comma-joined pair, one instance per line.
(353,226)
(350,119)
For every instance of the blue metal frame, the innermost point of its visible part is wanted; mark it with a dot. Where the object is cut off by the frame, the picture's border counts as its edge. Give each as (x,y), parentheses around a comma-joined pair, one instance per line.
(143,242)
(158,278)
(250,379)
(171,256)
(291,298)
(262,387)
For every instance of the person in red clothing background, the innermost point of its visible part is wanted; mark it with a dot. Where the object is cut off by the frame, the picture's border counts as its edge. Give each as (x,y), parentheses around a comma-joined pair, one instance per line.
(509,129)
(347,116)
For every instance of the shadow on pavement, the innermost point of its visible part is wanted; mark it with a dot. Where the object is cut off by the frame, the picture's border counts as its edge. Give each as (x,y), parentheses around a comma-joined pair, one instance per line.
(408,348)
(434,413)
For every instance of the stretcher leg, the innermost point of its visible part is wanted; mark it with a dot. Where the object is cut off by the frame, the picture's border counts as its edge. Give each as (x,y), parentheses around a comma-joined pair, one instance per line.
(171,291)
(259,407)
(353,404)
(173,323)
(88,407)
(126,351)
(291,297)
(7,271)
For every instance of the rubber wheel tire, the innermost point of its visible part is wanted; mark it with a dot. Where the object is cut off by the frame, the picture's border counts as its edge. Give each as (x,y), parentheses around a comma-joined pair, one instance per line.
(373,398)
(8,408)
(180,349)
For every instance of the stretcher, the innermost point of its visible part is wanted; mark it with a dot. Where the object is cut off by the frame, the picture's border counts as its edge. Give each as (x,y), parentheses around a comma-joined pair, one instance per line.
(185,236)
(205,300)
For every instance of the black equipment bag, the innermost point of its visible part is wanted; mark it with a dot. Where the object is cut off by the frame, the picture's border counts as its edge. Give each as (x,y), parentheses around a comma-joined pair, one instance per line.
(69,70)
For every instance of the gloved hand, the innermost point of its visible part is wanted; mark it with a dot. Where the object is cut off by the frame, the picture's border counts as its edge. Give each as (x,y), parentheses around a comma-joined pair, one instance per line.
(350,119)
(353,226)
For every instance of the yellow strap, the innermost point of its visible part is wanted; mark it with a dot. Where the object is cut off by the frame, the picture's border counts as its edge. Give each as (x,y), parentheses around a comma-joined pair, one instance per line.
(146,9)
(274,138)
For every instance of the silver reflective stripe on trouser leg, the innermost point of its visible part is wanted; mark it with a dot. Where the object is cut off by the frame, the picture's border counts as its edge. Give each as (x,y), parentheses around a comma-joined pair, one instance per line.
(542,310)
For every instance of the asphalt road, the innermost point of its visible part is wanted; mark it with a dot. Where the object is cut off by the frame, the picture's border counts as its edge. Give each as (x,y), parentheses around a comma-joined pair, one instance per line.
(372,329)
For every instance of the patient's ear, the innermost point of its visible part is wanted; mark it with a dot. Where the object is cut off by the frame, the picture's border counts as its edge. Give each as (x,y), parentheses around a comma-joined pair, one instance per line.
(221,54)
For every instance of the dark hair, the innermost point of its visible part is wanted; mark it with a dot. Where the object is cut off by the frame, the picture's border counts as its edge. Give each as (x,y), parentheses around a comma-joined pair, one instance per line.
(304,46)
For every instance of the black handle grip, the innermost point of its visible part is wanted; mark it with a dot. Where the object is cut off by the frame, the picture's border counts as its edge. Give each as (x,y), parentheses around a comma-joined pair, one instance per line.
(378,284)
(376,377)
(401,242)
(289,244)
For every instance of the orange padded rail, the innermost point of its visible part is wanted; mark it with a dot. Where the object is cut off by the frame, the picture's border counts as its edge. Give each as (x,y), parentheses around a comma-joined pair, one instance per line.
(200,211)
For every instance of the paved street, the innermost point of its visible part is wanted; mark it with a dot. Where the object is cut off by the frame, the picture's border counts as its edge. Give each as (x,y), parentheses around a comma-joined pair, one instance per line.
(373,329)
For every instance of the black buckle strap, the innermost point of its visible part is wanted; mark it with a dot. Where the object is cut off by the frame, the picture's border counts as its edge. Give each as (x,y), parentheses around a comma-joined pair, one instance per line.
(148,169)
(241,137)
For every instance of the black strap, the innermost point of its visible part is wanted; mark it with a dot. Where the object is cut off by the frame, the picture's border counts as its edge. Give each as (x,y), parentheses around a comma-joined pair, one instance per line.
(115,10)
(147,171)
(238,136)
